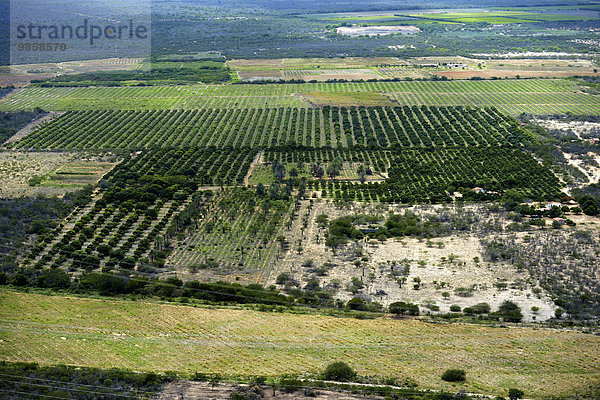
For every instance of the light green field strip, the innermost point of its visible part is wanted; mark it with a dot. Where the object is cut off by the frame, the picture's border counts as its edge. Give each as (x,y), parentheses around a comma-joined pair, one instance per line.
(157,337)
(510,103)
(542,95)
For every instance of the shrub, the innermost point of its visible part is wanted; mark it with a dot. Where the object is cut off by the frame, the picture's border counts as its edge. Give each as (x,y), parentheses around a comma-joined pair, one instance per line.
(339,371)
(356,303)
(54,278)
(514,394)
(454,375)
(20,280)
(509,311)
(479,308)
(401,307)
(289,383)
(282,278)
(455,308)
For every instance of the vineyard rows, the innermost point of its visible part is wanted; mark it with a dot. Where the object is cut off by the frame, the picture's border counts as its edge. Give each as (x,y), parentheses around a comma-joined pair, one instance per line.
(543,96)
(511,103)
(371,127)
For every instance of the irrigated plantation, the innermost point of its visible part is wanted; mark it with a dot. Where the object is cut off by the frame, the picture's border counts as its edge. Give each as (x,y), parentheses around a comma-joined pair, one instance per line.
(235,234)
(302,196)
(359,127)
(433,175)
(545,96)
(148,212)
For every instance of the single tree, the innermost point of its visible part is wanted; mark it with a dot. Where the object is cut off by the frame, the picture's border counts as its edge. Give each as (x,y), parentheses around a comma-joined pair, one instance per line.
(514,394)
(339,372)
(454,375)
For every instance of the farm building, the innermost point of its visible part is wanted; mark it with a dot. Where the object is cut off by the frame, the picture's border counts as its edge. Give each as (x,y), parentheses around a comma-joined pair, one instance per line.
(457,65)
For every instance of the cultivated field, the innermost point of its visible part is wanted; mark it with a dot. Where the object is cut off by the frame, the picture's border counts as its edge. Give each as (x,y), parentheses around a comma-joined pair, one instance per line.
(235,238)
(260,128)
(144,337)
(510,96)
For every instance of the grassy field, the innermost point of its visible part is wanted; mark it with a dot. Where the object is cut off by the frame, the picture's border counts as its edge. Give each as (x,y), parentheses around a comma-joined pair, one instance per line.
(498,17)
(538,96)
(157,337)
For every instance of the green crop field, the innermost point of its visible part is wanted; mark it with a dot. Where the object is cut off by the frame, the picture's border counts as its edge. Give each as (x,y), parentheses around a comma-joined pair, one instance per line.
(499,17)
(511,96)
(154,337)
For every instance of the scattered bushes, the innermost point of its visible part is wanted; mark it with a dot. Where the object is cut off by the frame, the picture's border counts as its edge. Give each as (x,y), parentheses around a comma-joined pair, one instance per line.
(514,394)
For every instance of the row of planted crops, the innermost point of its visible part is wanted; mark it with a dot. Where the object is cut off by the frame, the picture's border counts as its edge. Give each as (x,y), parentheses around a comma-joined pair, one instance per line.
(134,215)
(359,127)
(176,196)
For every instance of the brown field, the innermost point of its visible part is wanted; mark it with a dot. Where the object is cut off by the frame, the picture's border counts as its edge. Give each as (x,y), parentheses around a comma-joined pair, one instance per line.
(58,172)
(339,68)
(21,80)
(22,75)
(259,75)
(78,173)
(159,337)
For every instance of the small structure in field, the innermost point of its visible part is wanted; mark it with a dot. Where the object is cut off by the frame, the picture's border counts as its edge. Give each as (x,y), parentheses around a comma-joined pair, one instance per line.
(455,65)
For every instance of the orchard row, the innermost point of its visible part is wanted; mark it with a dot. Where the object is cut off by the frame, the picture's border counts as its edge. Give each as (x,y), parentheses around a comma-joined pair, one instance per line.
(433,175)
(132,217)
(353,127)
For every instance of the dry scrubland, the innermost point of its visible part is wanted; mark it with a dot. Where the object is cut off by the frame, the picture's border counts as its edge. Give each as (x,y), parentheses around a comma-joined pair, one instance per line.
(443,264)
(158,337)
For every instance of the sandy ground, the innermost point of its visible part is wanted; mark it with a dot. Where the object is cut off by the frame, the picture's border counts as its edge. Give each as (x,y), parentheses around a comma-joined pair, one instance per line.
(21,80)
(487,74)
(183,390)
(589,163)
(462,272)
(16,168)
(582,129)
(428,261)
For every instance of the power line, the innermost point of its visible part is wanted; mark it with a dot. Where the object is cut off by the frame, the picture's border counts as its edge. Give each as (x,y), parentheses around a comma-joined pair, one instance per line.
(62,383)
(29,394)
(72,389)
